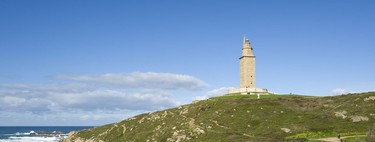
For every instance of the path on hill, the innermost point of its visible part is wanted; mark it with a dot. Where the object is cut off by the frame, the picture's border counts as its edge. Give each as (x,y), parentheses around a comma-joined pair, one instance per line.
(335,139)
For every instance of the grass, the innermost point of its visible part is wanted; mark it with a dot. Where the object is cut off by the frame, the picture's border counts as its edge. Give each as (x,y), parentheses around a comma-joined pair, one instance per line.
(245,118)
(319,135)
(356,139)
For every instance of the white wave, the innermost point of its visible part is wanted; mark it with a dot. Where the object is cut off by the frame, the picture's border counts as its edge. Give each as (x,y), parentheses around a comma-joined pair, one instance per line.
(31,139)
(21,134)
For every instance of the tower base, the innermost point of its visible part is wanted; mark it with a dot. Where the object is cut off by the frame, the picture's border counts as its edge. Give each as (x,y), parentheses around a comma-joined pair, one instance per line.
(248,91)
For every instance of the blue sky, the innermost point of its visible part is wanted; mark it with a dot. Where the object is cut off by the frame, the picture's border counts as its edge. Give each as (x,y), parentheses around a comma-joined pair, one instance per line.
(94,62)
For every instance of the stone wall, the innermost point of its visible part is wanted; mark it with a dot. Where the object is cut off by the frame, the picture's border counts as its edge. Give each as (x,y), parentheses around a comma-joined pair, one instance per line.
(247,72)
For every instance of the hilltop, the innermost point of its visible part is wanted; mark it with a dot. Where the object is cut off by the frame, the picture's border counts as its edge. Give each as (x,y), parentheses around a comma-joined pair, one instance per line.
(245,118)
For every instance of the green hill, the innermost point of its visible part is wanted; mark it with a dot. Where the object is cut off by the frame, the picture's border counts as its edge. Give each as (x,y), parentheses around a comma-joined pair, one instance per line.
(245,118)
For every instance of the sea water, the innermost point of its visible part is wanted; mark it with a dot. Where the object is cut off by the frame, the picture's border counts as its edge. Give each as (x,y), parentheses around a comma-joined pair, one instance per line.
(36,133)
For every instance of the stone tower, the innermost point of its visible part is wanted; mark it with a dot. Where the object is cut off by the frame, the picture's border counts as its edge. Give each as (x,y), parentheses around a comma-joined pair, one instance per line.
(247,66)
(247,73)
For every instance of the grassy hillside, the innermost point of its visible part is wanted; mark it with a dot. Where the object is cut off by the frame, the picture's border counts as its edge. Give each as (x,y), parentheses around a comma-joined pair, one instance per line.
(245,118)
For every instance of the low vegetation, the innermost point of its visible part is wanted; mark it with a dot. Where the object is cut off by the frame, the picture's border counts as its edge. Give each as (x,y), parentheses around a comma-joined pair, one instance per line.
(371,135)
(246,118)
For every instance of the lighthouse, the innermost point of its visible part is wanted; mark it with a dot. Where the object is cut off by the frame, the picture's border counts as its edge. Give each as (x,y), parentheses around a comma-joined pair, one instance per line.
(247,72)
(247,66)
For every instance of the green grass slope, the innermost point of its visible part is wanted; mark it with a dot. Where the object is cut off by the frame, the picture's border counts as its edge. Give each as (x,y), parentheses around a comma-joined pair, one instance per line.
(245,118)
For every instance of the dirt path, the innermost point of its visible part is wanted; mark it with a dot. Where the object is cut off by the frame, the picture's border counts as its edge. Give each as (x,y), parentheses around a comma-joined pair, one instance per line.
(331,139)
(335,139)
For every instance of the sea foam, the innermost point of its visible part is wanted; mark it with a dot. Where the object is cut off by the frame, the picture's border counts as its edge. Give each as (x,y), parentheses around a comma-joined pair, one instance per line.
(32,139)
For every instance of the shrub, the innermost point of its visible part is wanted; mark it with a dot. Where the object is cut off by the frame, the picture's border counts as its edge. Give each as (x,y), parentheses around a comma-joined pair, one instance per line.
(371,135)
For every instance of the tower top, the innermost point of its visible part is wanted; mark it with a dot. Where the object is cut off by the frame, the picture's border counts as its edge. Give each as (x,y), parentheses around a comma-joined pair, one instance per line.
(245,40)
(247,50)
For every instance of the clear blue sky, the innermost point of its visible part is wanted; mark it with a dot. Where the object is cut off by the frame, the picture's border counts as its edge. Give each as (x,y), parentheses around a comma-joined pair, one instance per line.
(53,53)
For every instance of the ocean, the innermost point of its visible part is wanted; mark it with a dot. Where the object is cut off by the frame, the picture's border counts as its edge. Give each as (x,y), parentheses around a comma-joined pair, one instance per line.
(36,133)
